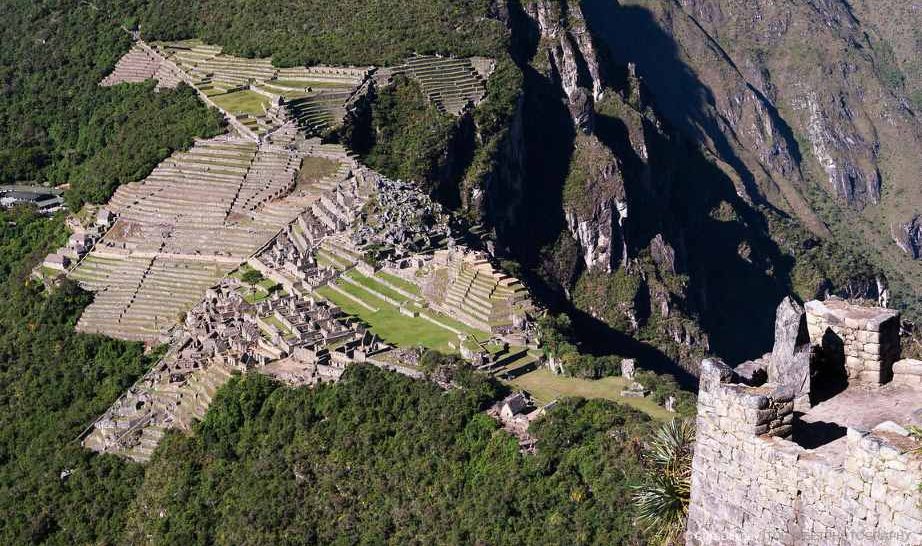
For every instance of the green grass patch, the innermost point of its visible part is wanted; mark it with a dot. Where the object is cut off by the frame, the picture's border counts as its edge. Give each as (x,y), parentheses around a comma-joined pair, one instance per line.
(302,84)
(278,324)
(267,284)
(399,283)
(328,259)
(389,324)
(50,273)
(242,102)
(546,386)
(376,286)
(316,168)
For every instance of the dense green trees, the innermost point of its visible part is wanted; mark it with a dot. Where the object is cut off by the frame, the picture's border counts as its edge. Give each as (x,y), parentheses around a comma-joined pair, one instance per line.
(131,130)
(380,458)
(404,135)
(58,125)
(357,32)
(53,382)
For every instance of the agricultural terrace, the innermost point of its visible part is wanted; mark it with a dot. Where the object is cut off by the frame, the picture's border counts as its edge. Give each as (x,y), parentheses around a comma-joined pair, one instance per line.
(360,296)
(242,102)
(545,386)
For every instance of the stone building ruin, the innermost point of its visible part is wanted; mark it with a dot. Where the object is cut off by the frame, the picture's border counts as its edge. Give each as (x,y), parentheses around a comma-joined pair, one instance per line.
(810,443)
(169,257)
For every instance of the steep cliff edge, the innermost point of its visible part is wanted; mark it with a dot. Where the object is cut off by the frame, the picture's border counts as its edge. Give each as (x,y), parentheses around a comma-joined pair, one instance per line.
(666,198)
(812,104)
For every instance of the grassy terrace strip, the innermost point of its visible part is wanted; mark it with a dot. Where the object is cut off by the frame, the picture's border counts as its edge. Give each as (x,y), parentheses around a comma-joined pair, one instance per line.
(242,102)
(393,327)
(399,282)
(376,286)
(546,386)
(325,257)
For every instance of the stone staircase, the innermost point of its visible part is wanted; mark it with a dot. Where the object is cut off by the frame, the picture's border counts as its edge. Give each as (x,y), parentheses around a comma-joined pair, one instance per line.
(481,297)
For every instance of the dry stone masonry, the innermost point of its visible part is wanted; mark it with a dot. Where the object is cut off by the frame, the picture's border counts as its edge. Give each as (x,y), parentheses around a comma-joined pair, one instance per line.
(452,84)
(141,64)
(315,98)
(169,256)
(811,456)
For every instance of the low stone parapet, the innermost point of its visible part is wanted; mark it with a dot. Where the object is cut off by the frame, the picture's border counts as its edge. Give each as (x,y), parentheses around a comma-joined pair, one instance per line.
(908,372)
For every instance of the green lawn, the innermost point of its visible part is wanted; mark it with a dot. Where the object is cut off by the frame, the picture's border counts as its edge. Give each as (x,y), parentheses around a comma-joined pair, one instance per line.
(545,386)
(301,84)
(242,102)
(399,283)
(281,327)
(376,286)
(267,284)
(388,323)
(329,259)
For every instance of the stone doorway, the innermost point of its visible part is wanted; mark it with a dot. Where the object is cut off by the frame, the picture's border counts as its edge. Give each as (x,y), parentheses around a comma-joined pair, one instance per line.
(828,374)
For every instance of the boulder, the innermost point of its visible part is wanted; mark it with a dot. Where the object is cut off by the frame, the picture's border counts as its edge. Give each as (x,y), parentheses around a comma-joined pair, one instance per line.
(789,363)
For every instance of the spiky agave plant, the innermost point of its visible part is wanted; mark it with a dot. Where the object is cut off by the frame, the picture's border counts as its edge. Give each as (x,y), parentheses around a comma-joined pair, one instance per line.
(661,500)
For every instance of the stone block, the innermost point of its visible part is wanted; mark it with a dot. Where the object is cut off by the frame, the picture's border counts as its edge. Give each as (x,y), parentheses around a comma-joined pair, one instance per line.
(871,362)
(754,401)
(852,362)
(878,490)
(911,524)
(908,366)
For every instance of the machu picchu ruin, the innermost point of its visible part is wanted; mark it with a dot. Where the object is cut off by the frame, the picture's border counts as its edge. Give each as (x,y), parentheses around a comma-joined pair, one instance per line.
(461,272)
(451,84)
(258,97)
(173,255)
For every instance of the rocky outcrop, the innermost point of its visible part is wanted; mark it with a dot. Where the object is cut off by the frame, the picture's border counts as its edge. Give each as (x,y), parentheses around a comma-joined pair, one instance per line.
(805,106)
(789,364)
(908,236)
(572,55)
(596,206)
(831,76)
(698,88)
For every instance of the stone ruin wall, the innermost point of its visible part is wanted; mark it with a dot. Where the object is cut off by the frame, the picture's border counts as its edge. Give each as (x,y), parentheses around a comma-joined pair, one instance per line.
(870,345)
(753,485)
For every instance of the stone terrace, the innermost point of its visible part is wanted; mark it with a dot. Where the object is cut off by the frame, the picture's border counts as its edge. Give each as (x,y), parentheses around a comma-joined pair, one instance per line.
(477,294)
(293,337)
(450,83)
(314,97)
(138,65)
(197,216)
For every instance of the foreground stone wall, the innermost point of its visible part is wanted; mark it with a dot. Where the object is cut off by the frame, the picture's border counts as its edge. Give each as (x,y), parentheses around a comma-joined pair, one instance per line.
(751,485)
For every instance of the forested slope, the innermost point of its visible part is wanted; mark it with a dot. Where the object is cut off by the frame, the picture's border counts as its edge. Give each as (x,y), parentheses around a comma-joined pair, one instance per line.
(57,125)
(53,382)
(380,458)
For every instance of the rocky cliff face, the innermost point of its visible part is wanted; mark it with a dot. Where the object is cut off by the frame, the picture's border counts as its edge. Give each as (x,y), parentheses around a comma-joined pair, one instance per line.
(908,236)
(573,62)
(596,206)
(811,105)
(675,155)
(824,69)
